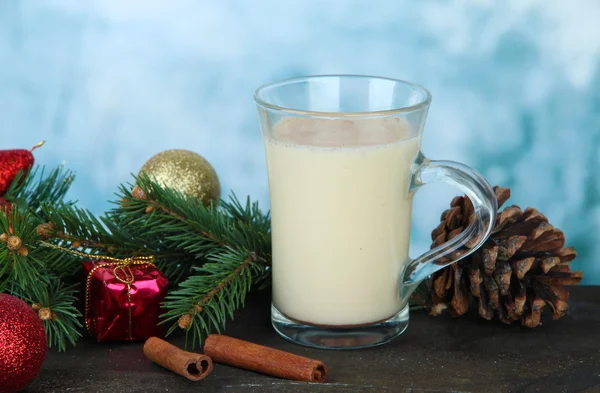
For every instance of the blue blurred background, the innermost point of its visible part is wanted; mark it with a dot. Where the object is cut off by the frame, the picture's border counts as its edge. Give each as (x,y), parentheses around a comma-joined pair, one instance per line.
(109,83)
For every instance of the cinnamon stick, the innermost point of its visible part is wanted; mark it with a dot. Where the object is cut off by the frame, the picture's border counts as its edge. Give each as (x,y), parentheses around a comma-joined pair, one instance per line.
(192,366)
(264,360)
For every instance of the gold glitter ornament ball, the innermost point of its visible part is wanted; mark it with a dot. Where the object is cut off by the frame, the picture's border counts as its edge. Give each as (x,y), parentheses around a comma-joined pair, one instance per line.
(186,172)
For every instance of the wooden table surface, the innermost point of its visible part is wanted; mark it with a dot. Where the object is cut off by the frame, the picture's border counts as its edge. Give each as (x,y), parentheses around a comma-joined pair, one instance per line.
(434,355)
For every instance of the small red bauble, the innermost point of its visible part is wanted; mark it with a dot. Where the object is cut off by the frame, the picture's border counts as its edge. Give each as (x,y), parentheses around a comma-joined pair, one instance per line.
(23,344)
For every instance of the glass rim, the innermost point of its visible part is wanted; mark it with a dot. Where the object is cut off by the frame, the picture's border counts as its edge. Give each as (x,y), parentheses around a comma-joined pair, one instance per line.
(423,103)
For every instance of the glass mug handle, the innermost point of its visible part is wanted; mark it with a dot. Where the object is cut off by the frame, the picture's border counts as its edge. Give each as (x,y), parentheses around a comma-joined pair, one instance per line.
(485,207)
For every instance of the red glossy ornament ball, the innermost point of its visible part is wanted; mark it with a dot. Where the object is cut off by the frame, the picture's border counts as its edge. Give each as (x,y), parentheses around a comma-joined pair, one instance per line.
(22,344)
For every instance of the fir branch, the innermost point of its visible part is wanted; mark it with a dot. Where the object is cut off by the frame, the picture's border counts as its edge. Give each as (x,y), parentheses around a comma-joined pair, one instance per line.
(202,303)
(69,223)
(65,266)
(80,241)
(61,324)
(228,248)
(29,271)
(31,189)
(17,267)
(216,253)
(181,213)
(171,213)
(177,225)
(249,214)
(50,188)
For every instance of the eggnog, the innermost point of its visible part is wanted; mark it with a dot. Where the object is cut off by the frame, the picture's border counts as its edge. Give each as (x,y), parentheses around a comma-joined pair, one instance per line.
(341,216)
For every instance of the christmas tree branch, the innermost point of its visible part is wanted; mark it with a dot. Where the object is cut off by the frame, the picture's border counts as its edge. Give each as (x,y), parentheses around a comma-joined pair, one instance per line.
(201,307)
(77,241)
(79,227)
(17,267)
(228,248)
(172,210)
(56,307)
(237,272)
(212,255)
(157,205)
(31,190)
(29,271)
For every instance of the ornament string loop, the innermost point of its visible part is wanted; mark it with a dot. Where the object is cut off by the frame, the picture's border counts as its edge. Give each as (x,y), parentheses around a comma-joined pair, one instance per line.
(128,275)
(121,270)
(39,144)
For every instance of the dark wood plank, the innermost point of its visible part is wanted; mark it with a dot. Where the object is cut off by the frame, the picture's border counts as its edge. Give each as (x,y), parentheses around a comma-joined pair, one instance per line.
(434,355)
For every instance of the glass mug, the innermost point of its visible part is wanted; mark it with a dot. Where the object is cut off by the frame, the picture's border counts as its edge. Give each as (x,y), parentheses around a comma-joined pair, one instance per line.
(344,161)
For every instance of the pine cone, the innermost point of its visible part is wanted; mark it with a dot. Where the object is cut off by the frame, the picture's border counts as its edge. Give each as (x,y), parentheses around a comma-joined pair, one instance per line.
(519,270)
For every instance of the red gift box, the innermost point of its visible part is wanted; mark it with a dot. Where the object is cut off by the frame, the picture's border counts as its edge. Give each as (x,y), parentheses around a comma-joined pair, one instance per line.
(123,299)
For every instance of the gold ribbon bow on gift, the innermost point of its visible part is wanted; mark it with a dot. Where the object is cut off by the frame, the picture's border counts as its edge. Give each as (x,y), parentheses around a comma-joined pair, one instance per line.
(122,272)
